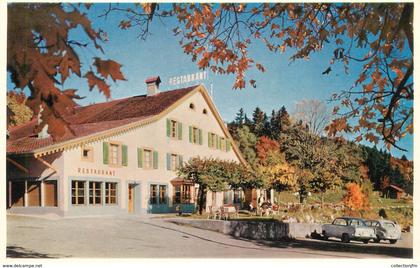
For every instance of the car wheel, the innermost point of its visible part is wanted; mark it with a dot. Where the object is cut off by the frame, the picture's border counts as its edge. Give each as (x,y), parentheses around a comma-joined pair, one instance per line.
(324,236)
(377,240)
(393,241)
(365,241)
(345,238)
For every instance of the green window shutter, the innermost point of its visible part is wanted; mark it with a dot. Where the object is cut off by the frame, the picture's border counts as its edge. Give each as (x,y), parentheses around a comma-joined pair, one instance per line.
(155,159)
(190,128)
(217,142)
(200,136)
(227,145)
(124,155)
(179,131)
(168,127)
(180,160)
(140,157)
(168,161)
(209,139)
(106,152)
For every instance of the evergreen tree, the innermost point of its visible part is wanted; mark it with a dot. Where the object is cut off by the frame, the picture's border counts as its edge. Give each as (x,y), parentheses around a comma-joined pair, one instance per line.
(259,122)
(275,125)
(284,118)
(240,117)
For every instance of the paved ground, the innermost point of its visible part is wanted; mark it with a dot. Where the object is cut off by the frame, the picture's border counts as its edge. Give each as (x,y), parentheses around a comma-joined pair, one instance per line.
(135,237)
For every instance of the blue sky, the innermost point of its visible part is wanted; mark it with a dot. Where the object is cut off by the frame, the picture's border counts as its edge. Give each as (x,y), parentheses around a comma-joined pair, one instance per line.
(283,83)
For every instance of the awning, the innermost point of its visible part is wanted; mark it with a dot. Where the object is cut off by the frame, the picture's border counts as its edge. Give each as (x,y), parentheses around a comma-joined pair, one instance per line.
(180,181)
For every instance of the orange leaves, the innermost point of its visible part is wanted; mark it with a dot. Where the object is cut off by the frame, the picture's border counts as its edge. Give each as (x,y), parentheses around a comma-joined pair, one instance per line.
(260,67)
(93,81)
(125,24)
(109,68)
(266,145)
(354,198)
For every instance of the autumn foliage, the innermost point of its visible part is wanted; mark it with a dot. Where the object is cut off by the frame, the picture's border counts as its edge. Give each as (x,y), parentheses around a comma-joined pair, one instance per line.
(266,145)
(355,199)
(41,56)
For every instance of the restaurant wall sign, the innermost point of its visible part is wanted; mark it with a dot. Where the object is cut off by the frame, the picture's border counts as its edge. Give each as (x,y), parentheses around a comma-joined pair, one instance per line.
(94,171)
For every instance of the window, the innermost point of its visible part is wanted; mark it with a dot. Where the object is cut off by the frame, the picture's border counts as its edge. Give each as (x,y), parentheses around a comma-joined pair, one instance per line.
(173,161)
(110,193)
(196,135)
(50,193)
(87,154)
(162,194)
(174,129)
(222,144)
(95,193)
(340,222)
(227,197)
(182,194)
(113,156)
(237,196)
(204,111)
(148,158)
(77,192)
(153,194)
(212,140)
(192,106)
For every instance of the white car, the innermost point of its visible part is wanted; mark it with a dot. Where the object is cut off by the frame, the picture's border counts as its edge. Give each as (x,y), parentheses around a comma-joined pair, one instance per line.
(385,230)
(348,228)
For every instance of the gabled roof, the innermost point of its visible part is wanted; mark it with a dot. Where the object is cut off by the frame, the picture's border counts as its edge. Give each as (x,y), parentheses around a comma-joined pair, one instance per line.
(395,187)
(98,121)
(96,118)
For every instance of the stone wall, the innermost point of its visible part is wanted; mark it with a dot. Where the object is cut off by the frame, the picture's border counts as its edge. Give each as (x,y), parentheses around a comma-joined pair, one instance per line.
(258,230)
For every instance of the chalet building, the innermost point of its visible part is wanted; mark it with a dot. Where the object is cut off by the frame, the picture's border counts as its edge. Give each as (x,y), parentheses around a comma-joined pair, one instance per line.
(122,157)
(394,192)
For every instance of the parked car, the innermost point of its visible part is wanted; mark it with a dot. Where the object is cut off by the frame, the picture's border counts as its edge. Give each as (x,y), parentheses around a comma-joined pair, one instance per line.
(385,230)
(348,228)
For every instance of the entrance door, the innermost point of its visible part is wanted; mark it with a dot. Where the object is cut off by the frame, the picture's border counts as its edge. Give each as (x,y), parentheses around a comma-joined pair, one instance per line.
(131,198)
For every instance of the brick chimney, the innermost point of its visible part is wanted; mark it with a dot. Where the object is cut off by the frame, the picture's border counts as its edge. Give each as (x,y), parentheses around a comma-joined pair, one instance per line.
(152,84)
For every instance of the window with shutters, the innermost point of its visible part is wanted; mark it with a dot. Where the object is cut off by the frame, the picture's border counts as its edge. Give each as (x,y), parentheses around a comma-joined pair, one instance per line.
(174,129)
(196,135)
(95,193)
(110,193)
(78,192)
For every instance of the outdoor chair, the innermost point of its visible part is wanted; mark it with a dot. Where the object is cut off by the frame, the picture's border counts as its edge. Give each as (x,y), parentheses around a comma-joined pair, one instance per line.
(214,213)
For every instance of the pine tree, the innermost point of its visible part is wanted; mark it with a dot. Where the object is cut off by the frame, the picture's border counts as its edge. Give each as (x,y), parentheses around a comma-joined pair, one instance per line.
(259,122)
(285,118)
(240,117)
